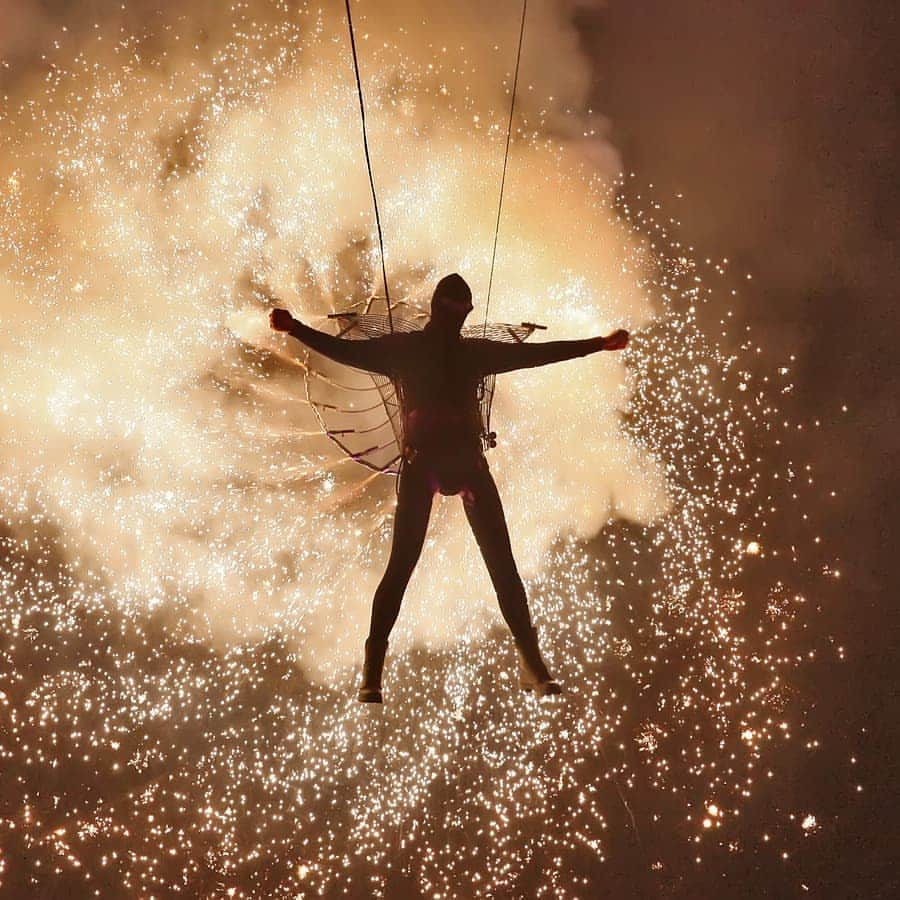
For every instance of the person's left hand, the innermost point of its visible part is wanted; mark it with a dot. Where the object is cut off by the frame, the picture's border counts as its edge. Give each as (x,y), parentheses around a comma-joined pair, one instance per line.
(280,320)
(616,341)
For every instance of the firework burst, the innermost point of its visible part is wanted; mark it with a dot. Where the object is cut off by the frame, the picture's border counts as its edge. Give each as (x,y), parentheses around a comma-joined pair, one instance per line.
(187,564)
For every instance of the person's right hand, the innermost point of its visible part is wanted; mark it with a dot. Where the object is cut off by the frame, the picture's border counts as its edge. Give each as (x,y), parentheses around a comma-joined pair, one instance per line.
(280,320)
(616,341)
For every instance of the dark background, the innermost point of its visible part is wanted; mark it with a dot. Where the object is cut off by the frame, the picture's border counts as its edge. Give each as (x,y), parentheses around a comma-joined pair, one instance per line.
(777,121)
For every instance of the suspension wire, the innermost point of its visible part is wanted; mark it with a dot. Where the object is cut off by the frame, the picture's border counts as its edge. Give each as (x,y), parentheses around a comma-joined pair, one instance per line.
(362,110)
(512,108)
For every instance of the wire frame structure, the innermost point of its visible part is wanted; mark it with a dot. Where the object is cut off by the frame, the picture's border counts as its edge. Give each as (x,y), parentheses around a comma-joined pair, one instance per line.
(360,412)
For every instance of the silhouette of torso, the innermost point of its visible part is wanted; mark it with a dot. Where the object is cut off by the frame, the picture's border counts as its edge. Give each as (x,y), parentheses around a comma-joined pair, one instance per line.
(438,373)
(438,383)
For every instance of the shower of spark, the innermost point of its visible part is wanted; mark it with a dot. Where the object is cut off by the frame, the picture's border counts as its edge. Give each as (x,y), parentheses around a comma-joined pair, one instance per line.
(188,565)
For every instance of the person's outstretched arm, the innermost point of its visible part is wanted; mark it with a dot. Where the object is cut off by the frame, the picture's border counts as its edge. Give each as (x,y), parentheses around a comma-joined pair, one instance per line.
(371,354)
(493,357)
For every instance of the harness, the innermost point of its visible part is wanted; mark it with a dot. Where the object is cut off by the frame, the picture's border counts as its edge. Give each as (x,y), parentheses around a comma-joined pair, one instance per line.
(361,412)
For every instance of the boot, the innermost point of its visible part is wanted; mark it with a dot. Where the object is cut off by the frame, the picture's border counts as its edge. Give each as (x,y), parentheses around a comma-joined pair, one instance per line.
(533,674)
(370,689)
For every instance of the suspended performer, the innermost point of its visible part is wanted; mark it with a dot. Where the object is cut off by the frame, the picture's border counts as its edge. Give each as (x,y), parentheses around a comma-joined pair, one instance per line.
(437,373)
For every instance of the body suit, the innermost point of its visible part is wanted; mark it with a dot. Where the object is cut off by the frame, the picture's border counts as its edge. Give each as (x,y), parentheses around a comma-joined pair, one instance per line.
(437,373)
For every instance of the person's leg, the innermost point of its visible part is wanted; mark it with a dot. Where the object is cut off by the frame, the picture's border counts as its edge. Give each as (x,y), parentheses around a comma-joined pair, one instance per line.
(414,498)
(484,511)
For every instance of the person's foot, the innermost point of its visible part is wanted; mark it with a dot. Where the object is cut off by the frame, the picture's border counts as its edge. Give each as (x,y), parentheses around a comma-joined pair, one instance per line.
(533,674)
(541,687)
(370,689)
(368,695)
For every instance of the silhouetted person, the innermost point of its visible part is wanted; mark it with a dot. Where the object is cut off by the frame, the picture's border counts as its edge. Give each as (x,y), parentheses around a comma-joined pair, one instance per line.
(437,373)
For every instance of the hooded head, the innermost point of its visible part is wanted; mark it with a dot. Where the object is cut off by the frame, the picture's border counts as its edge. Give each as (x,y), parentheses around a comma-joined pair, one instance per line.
(451,303)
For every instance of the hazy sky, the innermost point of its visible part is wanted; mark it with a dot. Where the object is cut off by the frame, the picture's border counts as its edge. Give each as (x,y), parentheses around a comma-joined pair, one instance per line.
(778,123)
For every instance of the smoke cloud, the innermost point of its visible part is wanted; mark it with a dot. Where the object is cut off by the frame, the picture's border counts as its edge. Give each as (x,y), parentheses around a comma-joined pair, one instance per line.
(157,194)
